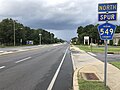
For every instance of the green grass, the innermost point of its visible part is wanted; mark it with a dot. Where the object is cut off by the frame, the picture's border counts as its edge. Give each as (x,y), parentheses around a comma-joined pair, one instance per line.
(91,85)
(116,64)
(99,49)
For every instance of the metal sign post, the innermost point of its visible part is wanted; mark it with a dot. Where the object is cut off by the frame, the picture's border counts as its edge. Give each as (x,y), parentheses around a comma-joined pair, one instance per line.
(105,64)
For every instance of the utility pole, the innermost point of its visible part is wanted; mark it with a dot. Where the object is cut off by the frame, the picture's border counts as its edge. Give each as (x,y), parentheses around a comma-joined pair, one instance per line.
(14,31)
(51,38)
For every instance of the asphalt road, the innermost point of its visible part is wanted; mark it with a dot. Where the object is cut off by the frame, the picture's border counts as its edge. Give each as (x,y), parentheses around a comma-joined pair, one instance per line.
(48,68)
(110,57)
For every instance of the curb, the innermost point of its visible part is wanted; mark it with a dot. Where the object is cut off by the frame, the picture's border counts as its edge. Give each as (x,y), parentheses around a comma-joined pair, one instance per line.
(75,80)
(75,75)
(73,62)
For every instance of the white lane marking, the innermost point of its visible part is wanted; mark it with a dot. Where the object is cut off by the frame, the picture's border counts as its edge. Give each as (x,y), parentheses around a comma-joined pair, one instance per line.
(2,67)
(56,73)
(73,62)
(23,59)
(1,51)
(92,54)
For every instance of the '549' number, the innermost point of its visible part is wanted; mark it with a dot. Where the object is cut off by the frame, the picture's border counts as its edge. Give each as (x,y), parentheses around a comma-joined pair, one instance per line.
(107,31)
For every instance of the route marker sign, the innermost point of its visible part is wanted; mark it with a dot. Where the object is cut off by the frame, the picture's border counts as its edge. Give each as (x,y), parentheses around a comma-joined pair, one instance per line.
(107,16)
(106,7)
(106,31)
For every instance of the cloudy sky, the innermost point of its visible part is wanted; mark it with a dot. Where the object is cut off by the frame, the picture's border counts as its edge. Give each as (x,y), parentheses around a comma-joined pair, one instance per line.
(62,17)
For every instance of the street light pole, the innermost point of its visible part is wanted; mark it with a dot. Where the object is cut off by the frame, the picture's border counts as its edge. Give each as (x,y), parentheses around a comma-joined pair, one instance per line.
(40,38)
(14,31)
(51,38)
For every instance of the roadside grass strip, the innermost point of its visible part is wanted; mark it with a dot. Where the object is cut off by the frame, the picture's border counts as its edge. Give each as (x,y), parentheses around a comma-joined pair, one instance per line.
(91,84)
(99,49)
(88,48)
(116,64)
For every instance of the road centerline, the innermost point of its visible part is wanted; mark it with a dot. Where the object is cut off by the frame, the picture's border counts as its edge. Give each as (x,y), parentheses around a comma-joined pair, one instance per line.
(57,72)
(23,60)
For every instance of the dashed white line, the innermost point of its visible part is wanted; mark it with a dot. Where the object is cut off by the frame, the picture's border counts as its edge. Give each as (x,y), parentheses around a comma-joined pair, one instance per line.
(23,60)
(2,67)
(56,73)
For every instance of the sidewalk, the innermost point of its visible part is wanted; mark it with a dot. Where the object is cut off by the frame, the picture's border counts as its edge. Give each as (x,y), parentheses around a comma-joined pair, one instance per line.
(85,63)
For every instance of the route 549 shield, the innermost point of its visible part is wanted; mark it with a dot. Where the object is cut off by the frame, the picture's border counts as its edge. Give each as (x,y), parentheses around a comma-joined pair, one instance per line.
(106,31)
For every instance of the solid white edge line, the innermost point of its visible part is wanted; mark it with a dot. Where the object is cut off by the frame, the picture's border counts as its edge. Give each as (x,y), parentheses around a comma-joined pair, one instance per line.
(57,71)
(23,59)
(2,67)
(73,62)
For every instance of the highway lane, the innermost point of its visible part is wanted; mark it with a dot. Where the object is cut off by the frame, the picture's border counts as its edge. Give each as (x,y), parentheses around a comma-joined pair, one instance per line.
(34,69)
(64,80)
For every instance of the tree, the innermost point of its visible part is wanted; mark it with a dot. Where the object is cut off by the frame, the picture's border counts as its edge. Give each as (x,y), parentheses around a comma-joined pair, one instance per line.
(89,30)
(23,33)
(111,42)
(74,40)
(6,31)
(119,42)
(117,29)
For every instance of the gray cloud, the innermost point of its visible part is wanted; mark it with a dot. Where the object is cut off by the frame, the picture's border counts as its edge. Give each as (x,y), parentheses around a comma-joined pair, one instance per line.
(52,14)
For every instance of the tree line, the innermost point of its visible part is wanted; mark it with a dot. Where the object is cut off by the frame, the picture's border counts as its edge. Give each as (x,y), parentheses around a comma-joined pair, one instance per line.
(91,31)
(23,34)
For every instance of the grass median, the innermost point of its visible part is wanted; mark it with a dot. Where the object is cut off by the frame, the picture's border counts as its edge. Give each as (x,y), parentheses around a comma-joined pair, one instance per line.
(99,49)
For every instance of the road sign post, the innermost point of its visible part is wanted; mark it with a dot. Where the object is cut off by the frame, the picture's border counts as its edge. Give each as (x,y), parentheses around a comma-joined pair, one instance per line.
(105,64)
(106,30)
